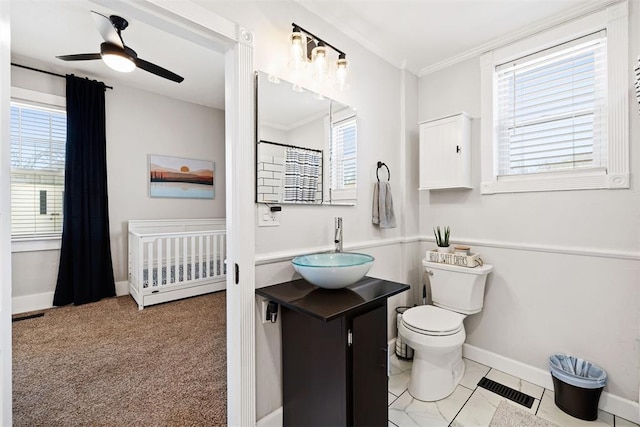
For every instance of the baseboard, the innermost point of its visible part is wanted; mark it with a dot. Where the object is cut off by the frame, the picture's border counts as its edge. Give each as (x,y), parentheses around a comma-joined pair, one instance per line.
(43,301)
(31,302)
(122,288)
(624,408)
(273,419)
(528,373)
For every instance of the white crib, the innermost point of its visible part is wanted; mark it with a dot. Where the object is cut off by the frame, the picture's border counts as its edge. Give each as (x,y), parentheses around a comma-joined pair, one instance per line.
(174,259)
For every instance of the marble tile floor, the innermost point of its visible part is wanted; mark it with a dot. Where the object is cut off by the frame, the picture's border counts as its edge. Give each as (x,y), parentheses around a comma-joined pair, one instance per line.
(470,405)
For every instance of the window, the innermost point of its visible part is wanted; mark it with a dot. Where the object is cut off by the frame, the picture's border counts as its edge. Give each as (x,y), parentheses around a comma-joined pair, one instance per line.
(551,109)
(38,139)
(343,154)
(554,112)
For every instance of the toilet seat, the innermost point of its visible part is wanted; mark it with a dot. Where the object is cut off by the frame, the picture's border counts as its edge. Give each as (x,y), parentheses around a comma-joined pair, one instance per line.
(431,320)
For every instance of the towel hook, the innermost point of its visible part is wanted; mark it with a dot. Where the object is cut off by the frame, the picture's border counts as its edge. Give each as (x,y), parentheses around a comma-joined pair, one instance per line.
(380,164)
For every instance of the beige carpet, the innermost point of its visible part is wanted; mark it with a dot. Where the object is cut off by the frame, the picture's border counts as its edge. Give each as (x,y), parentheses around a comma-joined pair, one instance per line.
(108,364)
(508,415)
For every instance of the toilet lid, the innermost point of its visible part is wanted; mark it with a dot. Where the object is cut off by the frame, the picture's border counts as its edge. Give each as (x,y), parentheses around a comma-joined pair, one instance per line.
(432,320)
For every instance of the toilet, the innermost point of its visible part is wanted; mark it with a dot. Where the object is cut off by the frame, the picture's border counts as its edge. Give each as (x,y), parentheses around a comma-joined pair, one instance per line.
(436,332)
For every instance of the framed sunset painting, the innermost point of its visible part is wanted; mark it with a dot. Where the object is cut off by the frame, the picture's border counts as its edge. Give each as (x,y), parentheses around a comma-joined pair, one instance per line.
(176,177)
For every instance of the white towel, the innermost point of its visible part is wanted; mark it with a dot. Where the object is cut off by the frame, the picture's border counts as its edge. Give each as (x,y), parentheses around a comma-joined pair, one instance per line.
(383,214)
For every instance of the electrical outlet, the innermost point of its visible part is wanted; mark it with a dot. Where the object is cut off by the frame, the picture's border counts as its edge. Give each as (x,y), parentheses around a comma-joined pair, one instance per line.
(264,310)
(266,218)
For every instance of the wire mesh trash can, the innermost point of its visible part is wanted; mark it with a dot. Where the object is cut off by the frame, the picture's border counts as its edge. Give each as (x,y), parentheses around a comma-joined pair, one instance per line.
(578,385)
(403,351)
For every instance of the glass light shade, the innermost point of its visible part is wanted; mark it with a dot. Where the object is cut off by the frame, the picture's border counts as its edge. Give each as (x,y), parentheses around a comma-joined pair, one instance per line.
(320,63)
(342,74)
(121,63)
(297,59)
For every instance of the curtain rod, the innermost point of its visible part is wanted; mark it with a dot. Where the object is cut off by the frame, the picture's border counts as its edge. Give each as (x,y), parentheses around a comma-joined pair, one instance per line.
(45,72)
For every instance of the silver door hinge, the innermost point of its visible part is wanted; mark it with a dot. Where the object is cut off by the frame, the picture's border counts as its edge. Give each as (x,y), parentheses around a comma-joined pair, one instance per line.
(349,338)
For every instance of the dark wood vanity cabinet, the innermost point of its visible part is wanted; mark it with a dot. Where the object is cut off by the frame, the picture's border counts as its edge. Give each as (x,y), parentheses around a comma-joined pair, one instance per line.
(335,373)
(334,352)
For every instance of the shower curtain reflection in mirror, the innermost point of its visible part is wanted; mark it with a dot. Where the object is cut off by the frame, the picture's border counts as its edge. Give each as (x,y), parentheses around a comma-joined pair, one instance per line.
(289,174)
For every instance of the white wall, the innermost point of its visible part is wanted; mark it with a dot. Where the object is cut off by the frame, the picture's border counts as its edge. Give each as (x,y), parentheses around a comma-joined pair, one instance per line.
(142,123)
(139,123)
(309,135)
(566,264)
(376,95)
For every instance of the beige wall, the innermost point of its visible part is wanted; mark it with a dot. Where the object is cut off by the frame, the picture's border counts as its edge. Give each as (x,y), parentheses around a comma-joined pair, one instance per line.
(139,123)
(565,263)
(376,88)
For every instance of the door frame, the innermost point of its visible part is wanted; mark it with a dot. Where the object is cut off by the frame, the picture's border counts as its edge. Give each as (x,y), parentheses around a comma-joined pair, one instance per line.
(5,216)
(186,19)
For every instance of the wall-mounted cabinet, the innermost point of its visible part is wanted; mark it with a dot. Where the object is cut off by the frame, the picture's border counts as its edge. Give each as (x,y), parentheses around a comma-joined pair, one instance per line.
(445,153)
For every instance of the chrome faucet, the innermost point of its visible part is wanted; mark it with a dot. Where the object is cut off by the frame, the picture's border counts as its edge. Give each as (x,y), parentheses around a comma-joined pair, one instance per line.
(338,234)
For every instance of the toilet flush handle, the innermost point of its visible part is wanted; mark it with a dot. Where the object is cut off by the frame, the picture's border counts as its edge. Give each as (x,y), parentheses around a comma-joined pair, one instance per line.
(430,272)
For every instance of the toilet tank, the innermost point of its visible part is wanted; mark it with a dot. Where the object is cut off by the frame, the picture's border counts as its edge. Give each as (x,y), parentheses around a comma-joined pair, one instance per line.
(456,288)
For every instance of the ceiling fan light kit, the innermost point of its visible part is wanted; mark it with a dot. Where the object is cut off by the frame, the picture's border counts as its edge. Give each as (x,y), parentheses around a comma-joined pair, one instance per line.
(307,48)
(119,59)
(115,54)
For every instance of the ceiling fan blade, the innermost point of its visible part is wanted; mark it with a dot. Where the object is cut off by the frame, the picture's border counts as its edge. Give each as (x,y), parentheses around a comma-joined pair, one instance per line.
(157,70)
(80,57)
(106,29)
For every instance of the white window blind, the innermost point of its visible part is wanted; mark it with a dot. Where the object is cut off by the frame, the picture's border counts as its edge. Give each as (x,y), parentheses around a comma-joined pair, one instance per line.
(552,109)
(343,155)
(38,139)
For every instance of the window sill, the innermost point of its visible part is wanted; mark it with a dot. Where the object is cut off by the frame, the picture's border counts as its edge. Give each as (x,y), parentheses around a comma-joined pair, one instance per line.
(343,197)
(584,180)
(36,245)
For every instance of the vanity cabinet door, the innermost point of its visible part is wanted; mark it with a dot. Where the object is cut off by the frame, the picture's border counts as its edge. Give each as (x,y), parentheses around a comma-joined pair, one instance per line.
(369,369)
(328,381)
(314,371)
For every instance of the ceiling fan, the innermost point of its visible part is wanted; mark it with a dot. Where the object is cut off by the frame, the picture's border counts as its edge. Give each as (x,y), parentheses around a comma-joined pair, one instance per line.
(114,52)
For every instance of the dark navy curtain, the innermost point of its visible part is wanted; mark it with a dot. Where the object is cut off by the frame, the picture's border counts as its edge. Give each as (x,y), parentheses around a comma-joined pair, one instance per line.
(86,272)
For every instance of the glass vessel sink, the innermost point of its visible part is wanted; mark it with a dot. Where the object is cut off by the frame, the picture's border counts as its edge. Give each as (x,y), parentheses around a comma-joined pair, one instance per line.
(333,270)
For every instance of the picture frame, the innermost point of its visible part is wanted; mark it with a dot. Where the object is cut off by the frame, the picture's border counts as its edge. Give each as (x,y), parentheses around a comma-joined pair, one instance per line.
(181,178)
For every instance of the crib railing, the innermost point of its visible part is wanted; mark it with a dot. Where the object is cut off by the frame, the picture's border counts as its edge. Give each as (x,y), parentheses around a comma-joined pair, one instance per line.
(175,259)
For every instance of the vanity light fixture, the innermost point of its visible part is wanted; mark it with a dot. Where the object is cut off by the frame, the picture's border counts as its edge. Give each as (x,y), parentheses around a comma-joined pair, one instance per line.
(320,62)
(342,76)
(297,59)
(307,48)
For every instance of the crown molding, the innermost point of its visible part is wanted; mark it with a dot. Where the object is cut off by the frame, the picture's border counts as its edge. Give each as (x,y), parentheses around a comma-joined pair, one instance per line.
(527,31)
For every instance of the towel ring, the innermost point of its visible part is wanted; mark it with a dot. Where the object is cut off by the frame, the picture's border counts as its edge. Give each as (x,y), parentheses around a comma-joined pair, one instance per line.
(380,164)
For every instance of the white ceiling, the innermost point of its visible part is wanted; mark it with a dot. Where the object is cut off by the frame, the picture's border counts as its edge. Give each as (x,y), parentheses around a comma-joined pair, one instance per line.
(420,34)
(414,34)
(42,29)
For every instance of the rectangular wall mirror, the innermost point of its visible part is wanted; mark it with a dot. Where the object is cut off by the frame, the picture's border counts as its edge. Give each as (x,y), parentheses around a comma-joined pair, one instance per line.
(306,146)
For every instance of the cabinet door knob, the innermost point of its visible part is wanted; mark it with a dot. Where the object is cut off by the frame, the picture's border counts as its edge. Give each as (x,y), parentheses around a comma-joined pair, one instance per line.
(457,148)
